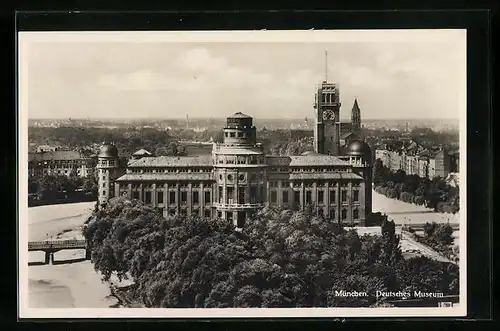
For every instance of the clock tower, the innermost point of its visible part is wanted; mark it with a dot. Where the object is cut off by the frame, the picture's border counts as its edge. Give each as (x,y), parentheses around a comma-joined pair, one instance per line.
(327,111)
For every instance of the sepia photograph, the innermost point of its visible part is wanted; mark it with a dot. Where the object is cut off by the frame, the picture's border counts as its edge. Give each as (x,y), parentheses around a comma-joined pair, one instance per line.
(242,173)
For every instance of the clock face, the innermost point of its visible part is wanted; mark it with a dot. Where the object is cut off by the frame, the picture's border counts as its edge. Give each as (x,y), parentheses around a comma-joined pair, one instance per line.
(328,115)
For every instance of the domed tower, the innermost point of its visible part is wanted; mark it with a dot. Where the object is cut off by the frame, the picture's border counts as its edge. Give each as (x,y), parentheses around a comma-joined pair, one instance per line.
(239,171)
(360,157)
(107,172)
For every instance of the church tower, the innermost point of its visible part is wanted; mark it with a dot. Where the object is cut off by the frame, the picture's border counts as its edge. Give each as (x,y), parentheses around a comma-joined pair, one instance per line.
(356,118)
(327,119)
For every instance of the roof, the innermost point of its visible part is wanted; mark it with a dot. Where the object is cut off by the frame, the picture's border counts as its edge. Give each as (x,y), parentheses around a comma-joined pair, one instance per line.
(173,161)
(142,151)
(238,151)
(347,134)
(355,106)
(108,151)
(166,176)
(316,160)
(56,155)
(239,115)
(273,160)
(324,175)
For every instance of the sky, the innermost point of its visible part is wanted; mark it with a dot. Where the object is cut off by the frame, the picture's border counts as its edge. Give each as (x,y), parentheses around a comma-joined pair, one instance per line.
(414,76)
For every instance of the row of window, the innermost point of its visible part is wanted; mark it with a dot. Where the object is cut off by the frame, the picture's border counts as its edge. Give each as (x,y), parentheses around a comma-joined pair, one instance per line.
(172,197)
(320,198)
(233,159)
(176,185)
(170,170)
(233,134)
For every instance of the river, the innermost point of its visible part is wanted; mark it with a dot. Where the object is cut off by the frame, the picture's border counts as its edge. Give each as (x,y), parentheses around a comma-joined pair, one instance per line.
(72,282)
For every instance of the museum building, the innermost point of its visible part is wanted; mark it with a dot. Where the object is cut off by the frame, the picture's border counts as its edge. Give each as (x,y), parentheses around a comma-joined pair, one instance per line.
(238,178)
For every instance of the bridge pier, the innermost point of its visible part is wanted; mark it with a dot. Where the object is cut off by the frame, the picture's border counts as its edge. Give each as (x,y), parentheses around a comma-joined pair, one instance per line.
(88,254)
(51,259)
(47,257)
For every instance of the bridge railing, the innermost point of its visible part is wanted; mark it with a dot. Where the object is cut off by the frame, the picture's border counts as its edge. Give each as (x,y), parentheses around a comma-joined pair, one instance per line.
(61,244)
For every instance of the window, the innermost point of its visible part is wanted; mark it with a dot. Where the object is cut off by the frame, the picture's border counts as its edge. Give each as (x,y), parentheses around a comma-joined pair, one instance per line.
(184,211)
(103,184)
(230,195)
(253,194)
(229,177)
(285,196)
(219,214)
(331,213)
(103,192)
(344,214)
(220,193)
(147,197)
(242,177)
(273,196)
(160,197)
(332,197)
(344,196)
(103,177)
(296,197)
(135,195)
(356,195)
(207,197)
(321,197)
(172,197)
(308,196)
(196,198)
(171,212)
(184,196)
(207,213)
(232,134)
(240,134)
(355,214)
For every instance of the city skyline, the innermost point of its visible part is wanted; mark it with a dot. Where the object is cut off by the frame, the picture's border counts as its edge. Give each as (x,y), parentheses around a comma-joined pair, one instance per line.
(418,77)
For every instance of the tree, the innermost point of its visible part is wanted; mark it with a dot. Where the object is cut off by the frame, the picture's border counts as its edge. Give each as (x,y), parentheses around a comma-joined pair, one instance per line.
(280,259)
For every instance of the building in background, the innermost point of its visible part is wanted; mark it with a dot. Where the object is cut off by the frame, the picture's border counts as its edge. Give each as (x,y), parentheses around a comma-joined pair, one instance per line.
(58,162)
(415,160)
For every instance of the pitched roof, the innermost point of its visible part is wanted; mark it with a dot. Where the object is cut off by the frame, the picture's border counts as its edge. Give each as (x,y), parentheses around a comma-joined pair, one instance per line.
(166,176)
(316,160)
(347,135)
(355,106)
(273,160)
(173,161)
(56,155)
(142,151)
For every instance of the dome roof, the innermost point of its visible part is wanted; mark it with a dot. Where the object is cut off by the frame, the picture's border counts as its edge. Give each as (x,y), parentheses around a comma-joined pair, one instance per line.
(108,151)
(239,115)
(359,148)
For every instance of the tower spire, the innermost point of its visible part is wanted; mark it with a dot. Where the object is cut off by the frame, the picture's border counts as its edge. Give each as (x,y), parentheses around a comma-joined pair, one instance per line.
(326,66)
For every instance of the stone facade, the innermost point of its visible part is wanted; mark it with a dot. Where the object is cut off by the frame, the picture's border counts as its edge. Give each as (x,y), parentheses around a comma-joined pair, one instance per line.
(238,179)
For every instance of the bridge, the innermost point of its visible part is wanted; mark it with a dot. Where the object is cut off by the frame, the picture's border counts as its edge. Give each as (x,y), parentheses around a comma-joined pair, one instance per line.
(420,226)
(52,246)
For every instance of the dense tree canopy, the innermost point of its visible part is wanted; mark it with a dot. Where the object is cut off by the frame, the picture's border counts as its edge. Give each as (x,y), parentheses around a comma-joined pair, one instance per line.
(280,259)
(435,193)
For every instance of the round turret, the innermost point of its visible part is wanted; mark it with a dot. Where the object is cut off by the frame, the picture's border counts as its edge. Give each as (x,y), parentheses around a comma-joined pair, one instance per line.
(358,148)
(108,151)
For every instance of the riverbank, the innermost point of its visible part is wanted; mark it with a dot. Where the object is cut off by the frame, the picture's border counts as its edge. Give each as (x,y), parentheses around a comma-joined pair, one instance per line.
(72,281)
